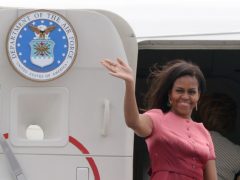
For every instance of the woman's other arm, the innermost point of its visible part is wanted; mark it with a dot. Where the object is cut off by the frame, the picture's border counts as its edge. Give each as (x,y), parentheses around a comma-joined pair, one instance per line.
(141,124)
(210,172)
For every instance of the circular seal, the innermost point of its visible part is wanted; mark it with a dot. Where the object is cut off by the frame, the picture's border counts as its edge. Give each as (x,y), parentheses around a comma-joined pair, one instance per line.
(42,45)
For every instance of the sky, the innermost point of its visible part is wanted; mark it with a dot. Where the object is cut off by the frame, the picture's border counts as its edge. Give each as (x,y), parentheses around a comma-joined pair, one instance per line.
(156,17)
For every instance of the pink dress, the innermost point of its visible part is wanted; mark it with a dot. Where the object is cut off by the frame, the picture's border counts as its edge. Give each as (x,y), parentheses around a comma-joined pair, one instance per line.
(178,148)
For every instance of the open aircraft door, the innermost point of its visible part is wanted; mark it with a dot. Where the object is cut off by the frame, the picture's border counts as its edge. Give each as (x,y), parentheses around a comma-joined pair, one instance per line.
(61,113)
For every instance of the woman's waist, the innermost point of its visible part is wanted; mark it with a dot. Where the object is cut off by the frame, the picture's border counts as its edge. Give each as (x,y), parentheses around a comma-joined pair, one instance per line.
(188,169)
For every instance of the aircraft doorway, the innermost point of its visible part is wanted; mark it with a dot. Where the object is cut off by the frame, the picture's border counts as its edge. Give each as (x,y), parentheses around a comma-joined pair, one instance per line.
(220,63)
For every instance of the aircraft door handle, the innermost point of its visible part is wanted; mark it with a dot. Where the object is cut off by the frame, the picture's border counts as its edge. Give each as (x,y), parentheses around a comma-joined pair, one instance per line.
(106,117)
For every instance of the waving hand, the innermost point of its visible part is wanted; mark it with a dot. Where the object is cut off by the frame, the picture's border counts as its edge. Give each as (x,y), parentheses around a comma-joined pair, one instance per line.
(119,69)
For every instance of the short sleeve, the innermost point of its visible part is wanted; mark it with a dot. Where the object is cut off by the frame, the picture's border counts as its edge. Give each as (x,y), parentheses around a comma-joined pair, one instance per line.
(212,155)
(208,139)
(155,115)
(212,151)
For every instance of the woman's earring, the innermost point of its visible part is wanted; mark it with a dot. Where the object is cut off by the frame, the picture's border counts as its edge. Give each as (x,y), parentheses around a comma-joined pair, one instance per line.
(196,107)
(169,103)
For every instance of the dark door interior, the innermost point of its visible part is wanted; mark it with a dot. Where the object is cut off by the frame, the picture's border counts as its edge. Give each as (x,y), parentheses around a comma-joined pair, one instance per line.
(222,72)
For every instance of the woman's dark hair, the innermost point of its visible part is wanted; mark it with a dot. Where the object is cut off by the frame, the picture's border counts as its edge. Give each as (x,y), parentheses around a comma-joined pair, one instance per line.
(163,78)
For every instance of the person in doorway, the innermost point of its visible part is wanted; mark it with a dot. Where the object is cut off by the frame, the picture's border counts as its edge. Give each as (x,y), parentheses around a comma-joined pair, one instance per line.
(179,148)
(218,113)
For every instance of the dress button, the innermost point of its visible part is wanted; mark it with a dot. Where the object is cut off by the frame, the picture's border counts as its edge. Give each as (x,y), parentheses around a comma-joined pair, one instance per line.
(188,128)
(189,136)
(194,159)
(193,166)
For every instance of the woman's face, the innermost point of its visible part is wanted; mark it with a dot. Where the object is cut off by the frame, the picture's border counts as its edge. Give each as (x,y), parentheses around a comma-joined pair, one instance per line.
(184,96)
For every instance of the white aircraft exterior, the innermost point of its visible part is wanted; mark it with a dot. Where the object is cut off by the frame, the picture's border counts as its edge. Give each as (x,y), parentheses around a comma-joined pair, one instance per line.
(63,118)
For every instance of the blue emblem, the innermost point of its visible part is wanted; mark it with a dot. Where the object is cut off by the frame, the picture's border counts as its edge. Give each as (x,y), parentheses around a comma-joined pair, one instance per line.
(42,45)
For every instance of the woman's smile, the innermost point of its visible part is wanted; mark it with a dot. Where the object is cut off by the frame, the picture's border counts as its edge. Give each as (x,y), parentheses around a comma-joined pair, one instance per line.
(184,96)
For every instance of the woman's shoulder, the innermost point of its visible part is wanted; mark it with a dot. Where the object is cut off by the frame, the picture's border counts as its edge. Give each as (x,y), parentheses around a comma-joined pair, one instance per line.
(154,112)
(199,125)
(202,129)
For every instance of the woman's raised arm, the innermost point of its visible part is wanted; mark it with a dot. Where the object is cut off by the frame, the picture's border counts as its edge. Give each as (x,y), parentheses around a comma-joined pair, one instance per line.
(141,124)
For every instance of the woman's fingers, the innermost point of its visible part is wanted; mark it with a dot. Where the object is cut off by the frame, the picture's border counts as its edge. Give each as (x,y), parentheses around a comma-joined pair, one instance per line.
(121,62)
(107,61)
(111,66)
(118,69)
